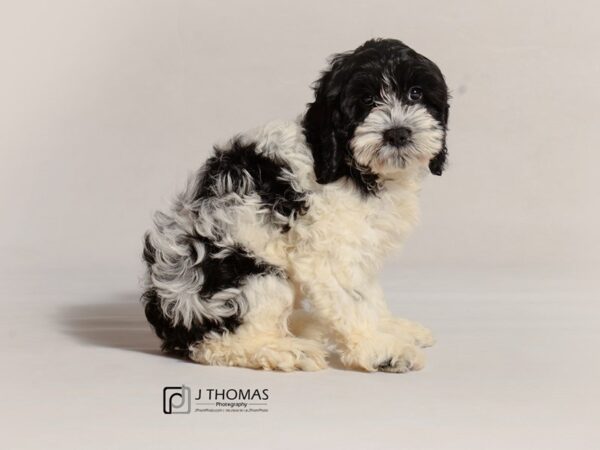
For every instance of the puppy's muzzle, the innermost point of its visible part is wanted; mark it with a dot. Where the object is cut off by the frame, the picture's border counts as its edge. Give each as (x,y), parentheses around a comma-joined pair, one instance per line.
(397,137)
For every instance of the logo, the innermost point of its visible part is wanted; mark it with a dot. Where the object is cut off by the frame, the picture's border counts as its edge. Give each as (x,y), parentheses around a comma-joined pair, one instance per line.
(177,400)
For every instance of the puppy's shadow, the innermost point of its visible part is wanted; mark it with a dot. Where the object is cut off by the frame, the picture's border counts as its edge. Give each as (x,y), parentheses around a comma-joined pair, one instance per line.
(120,323)
(117,323)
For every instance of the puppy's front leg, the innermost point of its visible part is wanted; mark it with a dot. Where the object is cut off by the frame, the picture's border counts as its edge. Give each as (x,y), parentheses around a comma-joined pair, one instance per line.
(420,335)
(354,320)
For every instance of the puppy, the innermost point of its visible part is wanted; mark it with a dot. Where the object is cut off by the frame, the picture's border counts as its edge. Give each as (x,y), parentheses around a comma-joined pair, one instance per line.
(304,210)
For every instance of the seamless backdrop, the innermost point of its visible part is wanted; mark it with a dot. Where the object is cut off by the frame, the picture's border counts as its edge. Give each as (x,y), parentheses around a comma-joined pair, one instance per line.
(107,106)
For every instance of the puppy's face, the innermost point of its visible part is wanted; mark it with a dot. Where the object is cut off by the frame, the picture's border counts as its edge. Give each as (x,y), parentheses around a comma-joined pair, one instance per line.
(399,111)
(383,108)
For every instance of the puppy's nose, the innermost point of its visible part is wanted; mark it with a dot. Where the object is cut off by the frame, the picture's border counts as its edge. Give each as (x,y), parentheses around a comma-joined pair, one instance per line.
(397,136)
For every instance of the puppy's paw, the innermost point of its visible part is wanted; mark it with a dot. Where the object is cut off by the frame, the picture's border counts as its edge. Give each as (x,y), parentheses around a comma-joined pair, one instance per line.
(410,359)
(281,353)
(385,353)
(288,354)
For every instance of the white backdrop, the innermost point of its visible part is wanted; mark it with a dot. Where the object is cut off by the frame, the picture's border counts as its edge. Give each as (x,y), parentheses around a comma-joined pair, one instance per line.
(106,106)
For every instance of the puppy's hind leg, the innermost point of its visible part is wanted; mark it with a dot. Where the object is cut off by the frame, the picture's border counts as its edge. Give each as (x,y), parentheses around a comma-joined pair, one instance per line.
(263,340)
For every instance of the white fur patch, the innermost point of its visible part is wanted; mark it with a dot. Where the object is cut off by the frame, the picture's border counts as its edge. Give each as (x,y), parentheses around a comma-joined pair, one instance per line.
(370,148)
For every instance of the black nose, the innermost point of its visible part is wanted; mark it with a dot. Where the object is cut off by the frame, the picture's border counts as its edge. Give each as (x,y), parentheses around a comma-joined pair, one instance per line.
(397,136)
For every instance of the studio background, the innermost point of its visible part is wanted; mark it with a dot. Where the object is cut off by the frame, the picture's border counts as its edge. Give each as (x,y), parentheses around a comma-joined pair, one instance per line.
(107,106)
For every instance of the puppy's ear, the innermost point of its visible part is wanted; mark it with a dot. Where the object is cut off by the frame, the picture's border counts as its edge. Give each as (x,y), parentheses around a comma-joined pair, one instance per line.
(437,164)
(322,124)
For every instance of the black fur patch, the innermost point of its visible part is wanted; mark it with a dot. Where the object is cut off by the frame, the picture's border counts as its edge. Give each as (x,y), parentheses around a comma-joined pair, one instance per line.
(229,271)
(267,174)
(220,272)
(366,181)
(177,339)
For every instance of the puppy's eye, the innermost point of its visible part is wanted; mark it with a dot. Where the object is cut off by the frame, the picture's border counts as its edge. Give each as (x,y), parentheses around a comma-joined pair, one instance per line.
(368,100)
(415,93)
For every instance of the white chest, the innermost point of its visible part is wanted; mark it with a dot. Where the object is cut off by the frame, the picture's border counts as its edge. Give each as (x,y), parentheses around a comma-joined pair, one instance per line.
(345,227)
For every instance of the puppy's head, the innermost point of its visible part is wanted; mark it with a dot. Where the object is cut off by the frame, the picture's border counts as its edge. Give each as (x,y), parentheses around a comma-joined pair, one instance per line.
(379,109)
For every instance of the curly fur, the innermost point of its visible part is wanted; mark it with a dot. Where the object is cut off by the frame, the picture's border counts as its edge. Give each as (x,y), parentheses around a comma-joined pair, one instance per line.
(303,209)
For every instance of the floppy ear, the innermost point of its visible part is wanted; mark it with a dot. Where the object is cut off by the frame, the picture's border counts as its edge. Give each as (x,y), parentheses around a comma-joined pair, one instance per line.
(322,126)
(437,164)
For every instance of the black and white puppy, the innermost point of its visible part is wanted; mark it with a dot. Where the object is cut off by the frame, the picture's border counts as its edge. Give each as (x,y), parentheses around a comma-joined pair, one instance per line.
(304,210)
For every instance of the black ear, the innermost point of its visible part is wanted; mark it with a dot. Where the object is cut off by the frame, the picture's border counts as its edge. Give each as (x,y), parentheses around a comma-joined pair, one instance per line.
(437,164)
(319,128)
(322,125)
